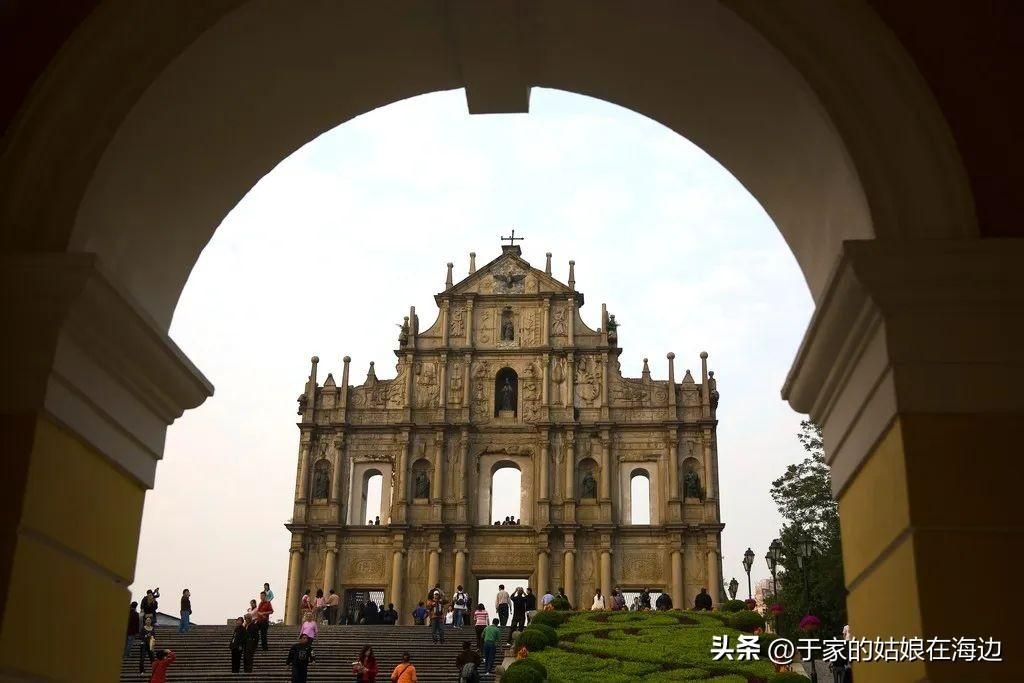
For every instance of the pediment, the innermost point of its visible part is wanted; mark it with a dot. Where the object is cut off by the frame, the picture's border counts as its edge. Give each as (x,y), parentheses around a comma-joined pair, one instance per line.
(509,274)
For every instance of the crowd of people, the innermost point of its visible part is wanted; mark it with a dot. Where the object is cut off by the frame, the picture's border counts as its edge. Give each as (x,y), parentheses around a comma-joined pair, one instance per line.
(617,601)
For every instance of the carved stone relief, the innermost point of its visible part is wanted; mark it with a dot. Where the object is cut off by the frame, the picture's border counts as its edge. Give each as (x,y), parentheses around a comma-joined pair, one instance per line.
(427,391)
(457,322)
(588,380)
(366,566)
(558,321)
(455,384)
(558,374)
(642,566)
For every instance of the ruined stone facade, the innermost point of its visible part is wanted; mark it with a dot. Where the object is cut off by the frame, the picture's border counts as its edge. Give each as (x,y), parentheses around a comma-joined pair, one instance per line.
(508,375)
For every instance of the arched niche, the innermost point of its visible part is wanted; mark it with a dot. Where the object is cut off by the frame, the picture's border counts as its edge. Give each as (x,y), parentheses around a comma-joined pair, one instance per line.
(587,480)
(420,480)
(320,489)
(692,479)
(506,392)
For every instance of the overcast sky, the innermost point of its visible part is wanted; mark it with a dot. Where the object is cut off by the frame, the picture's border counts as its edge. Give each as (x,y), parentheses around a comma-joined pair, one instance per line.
(328,251)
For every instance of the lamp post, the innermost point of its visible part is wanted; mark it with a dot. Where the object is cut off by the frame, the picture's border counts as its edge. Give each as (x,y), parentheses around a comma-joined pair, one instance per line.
(733,587)
(772,558)
(805,548)
(748,562)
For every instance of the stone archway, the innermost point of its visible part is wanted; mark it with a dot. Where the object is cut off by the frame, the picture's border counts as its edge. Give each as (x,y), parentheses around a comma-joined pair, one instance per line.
(145,130)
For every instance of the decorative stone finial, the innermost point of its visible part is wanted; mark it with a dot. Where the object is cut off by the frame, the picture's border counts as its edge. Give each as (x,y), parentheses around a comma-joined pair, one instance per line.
(704,355)
(346,359)
(572,274)
(670,355)
(314,359)
(448,278)
(547,263)
(472,262)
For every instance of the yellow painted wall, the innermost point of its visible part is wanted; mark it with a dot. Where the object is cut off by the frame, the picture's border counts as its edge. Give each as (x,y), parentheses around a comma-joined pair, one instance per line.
(76,543)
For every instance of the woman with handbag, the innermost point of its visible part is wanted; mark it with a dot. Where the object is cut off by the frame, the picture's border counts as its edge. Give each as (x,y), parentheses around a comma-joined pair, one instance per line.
(405,672)
(365,668)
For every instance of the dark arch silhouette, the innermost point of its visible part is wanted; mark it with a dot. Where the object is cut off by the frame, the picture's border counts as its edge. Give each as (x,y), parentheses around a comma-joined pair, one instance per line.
(503,397)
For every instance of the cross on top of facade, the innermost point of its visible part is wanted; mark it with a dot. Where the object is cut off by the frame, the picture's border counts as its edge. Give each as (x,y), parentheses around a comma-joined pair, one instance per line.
(512,238)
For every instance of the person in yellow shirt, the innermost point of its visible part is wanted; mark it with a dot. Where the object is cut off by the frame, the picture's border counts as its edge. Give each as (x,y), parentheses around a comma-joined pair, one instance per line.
(405,672)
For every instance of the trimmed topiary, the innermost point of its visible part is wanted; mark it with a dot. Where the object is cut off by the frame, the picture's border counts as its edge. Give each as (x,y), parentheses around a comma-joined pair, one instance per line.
(733,606)
(549,633)
(553,619)
(534,639)
(764,640)
(720,616)
(788,677)
(561,604)
(522,672)
(746,621)
(534,663)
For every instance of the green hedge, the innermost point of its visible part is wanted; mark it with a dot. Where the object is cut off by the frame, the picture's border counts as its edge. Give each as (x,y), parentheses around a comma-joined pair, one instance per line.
(552,619)
(522,672)
(733,606)
(746,621)
(533,663)
(561,604)
(534,639)
(789,677)
(549,633)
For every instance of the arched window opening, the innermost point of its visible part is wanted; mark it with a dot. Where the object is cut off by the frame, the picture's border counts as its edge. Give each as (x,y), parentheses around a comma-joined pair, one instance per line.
(321,479)
(506,393)
(506,494)
(421,479)
(372,490)
(588,479)
(640,497)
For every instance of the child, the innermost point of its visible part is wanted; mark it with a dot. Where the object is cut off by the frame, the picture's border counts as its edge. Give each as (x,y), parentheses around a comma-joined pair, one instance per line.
(309,628)
(164,659)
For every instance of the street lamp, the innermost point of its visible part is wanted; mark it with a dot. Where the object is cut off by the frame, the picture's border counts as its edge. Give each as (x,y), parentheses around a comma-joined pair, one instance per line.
(772,558)
(733,587)
(748,562)
(805,548)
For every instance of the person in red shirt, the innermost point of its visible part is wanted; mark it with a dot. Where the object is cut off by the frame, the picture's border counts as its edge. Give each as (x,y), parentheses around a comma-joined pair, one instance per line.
(263,612)
(164,659)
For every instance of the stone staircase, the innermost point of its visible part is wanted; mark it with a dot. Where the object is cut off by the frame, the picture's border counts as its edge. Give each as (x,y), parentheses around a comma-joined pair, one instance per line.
(203,654)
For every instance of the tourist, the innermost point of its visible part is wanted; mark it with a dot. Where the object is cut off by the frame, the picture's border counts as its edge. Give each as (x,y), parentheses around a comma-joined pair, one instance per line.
(300,655)
(376,520)
(319,605)
(561,595)
(237,645)
(637,605)
(598,601)
(702,601)
(389,616)
(333,606)
(134,626)
(491,635)
(370,615)
(618,599)
(252,611)
(419,615)
(436,609)
(270,593)
(164,659)
(480,622)
(518,609)
(663,603)
(449,616)
(518,521)
(369,522)
(645,598)
(307,601)
(186,611)
(437,589)
(365,667)
(263,612)
(531,604)
(252,637)
(522,653)
(461,604)
(468,664)
(405,672)
(548,598)
(147,641)
(502,603)
(150,604)
(310,627)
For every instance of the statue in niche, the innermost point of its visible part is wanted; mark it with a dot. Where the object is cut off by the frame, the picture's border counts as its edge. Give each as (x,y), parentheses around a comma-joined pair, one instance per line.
(713,389)
(321,481)
(588,489)
(508,331)
(691,485)
(508,396)
(421,487)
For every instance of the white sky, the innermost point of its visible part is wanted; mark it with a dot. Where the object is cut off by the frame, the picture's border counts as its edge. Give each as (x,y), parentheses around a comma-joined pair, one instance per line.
(326,253)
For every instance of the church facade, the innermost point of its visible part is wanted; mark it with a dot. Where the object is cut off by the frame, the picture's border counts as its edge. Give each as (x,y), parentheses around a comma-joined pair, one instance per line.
(509,375)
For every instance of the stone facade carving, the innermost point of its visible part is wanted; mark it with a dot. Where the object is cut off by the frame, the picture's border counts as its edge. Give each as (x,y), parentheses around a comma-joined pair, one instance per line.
(436,432)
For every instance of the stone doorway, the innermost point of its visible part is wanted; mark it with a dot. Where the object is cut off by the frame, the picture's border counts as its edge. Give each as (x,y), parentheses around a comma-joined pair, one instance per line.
(354,600)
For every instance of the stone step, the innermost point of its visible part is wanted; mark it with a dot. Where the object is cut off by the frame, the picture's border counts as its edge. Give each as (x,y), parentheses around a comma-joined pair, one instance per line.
(203,655)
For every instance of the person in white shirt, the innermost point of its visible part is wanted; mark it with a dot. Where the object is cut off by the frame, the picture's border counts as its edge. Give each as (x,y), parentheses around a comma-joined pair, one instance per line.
(502,603)
(598,600)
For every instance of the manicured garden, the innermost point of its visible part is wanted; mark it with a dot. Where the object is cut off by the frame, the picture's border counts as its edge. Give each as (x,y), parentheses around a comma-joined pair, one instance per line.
(613,647)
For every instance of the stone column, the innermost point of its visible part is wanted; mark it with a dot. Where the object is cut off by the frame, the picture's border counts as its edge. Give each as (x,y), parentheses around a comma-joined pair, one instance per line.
(709,474)
(442,379)
(337,466)
(545,374)
(466,366)
(402,480)
(570,313)
(444,323)
(464,474)
(469,322)
(347,360)
(570,466)
(542,465)
(678,599)
(437,485)
(433,568)
(606,468)
(570,381)
(302,477)
(672,414)
(330,567)
(569,577)
(546,316)
(606,575)
(397,578)
(714,578)
(295,569)
(543,572)
(460,568)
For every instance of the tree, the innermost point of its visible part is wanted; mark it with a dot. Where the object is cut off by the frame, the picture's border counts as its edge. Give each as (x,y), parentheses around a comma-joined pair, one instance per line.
(803,495)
